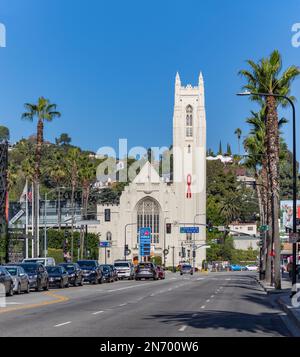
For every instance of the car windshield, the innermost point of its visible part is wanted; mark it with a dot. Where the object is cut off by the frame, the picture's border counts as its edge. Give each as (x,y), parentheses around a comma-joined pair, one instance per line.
(86,264)
(69,268)
(145,266)
(186,267)
(30,268)
(105,267)
(122,265)
(35,261)
(12,271)
(54,270)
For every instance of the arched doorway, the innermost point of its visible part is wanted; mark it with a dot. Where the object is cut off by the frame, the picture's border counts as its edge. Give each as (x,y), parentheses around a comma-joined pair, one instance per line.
(148,215)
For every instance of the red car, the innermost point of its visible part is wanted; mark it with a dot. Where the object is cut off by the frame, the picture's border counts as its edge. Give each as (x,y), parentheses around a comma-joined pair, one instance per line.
(160,272)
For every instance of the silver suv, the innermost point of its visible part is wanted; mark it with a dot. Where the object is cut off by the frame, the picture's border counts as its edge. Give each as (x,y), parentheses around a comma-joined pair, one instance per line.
(125,269)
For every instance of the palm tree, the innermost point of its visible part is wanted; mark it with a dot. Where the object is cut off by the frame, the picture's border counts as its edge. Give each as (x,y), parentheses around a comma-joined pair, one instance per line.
(257,160)
(229,210)
(57,173)
(72,167)
(238,133)
(266,77)
(87,175)
(43,110)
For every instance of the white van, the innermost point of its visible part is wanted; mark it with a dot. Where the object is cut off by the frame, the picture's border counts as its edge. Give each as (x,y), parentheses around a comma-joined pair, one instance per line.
(47,262)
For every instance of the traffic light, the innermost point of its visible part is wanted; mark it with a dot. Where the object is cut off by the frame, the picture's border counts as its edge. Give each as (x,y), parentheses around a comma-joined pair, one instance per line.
(210,226)
(169,228)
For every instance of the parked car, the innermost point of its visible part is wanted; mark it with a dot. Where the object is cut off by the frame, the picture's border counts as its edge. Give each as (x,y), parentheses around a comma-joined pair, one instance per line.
(236,267)
(45,261)
(125,269)
(58,277)
(115,272)
(251,267)
(107,273)
(91,271)
(7,281)
(37,274)
(75,273)
(186,269)
(20,278)
(160,272)
(146,271)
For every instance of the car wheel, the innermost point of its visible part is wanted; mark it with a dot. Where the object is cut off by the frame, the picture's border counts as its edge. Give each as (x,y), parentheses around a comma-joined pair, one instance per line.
(27,291)
(19,289)
(11,290)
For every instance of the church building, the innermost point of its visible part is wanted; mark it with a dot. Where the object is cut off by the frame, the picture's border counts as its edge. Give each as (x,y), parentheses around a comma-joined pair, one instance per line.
(165,207)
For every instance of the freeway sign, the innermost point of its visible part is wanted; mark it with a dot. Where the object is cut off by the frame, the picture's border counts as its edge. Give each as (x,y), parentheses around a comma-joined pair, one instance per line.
(189,230)
(145,241)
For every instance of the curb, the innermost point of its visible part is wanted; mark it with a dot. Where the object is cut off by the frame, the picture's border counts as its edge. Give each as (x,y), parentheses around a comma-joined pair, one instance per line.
(289,311)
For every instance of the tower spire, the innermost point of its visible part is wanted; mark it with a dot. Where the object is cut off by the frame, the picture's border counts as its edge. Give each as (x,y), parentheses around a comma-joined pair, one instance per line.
(177,80)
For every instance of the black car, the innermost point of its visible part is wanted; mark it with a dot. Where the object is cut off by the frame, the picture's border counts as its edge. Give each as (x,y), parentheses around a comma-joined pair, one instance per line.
(107,273)
(7,281)
(37,274)
(114,271)
(58,277)
(75,273)
(91,270)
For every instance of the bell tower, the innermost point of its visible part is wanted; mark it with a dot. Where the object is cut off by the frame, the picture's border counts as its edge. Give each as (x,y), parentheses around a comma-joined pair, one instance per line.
(189,152)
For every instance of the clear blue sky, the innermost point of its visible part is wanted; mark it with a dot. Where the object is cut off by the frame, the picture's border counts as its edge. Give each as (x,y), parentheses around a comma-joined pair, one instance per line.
(110,65)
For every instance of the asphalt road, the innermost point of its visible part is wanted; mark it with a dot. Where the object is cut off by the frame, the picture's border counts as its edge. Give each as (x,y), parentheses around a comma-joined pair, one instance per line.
(216,304)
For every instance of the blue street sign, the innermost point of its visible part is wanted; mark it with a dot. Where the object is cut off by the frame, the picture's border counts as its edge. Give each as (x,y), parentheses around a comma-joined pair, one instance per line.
(189,229)
(145,241)
(105,244)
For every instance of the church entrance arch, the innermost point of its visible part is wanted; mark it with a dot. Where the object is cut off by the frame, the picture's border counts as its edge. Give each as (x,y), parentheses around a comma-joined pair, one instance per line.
(148,215)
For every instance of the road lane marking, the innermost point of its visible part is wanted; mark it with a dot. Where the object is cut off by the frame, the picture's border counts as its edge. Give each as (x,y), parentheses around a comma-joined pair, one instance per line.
(97,312)
(170,289)
(126,287)
(123,304)
(200,279)
(182,328)
(63,324)
(207,300)
(59,299)
(203,307)
(212,296)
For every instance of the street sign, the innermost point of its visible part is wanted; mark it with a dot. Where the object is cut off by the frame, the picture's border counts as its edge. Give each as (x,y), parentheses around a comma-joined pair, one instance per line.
(185,230)
(145,242)
(264,228)
(105,244)
(17,217)
(166,251)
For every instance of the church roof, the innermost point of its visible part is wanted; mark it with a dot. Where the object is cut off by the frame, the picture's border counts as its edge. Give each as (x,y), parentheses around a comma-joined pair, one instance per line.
(148,174)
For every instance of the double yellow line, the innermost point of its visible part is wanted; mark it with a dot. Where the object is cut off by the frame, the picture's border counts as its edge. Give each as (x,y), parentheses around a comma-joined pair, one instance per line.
(58,299)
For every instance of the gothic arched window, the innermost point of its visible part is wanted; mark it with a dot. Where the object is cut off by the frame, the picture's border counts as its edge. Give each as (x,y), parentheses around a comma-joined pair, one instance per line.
(148,216)
(189,121)
(108,236)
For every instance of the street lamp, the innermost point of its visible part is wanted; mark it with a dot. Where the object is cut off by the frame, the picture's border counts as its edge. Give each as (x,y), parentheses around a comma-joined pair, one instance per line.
(127,225)
(194,250)
(164,251)
(294,275)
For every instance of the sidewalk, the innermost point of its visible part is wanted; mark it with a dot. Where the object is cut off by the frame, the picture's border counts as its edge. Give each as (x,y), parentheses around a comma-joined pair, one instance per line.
(283,298)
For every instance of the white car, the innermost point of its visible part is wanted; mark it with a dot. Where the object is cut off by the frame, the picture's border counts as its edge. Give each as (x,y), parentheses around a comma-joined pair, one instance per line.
(252,267)
(125,269)
(47,262)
